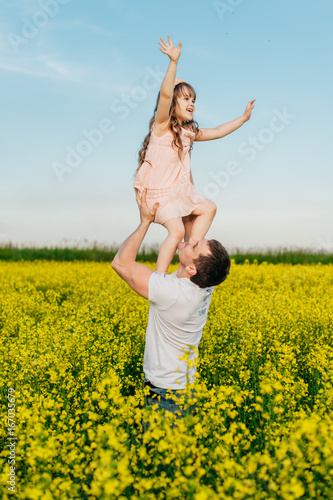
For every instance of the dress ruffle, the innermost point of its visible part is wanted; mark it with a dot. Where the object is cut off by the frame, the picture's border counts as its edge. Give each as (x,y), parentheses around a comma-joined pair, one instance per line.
(167,179)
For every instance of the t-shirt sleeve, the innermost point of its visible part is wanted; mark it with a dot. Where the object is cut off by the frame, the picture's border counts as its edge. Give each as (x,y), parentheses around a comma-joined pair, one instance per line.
(162,289)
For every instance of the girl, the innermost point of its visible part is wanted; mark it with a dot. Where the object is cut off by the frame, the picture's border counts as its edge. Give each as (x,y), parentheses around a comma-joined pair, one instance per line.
(164,161)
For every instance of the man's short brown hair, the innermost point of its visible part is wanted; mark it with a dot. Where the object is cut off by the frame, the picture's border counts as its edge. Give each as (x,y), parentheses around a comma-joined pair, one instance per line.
(212,269)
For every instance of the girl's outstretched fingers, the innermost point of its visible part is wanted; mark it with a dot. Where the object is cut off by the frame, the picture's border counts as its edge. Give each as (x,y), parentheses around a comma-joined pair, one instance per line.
(169,49)
(248,110)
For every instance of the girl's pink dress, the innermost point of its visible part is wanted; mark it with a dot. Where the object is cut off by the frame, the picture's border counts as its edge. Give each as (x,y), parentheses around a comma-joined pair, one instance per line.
(167,179)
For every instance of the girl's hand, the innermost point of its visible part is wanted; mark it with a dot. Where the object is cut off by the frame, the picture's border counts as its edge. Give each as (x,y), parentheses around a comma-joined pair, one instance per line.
(249,107)
(170,49)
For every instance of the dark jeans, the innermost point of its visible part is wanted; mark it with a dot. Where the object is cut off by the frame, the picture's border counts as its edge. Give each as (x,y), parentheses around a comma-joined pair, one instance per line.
(170,400)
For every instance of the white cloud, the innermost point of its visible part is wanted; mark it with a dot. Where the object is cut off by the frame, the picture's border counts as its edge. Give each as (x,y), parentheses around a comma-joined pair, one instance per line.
(92,27)
(51,67)
(29,72)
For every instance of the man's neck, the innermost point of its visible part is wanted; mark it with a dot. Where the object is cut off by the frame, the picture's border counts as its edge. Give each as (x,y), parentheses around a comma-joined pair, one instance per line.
(181,272)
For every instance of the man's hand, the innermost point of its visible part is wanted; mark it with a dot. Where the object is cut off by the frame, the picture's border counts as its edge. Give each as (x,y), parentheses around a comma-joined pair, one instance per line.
(135,274)
(146,214)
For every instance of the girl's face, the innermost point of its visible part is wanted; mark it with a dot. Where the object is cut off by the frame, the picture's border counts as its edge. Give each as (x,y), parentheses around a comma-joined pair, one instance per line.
(185,108)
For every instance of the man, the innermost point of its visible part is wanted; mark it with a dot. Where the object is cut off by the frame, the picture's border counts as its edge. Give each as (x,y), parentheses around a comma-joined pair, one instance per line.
(179,304)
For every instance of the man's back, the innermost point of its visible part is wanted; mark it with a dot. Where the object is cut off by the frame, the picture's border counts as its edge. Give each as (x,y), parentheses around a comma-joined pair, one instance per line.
(177,314)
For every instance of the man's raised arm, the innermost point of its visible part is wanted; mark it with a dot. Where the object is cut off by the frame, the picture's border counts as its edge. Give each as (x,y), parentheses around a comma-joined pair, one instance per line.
(136,275)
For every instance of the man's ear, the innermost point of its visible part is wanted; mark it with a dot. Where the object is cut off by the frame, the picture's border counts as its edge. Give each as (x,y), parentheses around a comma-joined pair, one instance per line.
(191,270)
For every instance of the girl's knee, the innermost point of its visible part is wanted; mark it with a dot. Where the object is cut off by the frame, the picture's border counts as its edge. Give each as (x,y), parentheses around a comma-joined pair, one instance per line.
(176,230)
(179,233)
(212,208)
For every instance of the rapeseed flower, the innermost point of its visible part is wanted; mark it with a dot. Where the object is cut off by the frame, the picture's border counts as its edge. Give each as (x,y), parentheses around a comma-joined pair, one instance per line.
(72,348)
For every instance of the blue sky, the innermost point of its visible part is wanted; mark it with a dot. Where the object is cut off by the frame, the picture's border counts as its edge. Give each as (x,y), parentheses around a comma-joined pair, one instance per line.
(79,80)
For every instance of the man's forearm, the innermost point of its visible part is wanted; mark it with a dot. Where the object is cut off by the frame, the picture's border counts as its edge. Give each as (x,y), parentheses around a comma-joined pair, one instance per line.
(129,249)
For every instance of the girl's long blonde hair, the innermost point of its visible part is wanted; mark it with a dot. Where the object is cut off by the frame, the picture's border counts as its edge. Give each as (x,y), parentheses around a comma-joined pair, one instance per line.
(174,125)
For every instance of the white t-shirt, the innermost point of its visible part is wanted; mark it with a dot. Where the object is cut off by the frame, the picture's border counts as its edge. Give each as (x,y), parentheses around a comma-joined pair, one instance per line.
(177,314)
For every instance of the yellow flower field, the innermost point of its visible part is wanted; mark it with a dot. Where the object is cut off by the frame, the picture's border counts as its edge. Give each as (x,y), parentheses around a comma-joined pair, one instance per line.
(72,340)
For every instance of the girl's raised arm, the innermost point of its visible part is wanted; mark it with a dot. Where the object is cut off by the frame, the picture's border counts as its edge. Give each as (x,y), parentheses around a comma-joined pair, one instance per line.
(166,93)
(208,134)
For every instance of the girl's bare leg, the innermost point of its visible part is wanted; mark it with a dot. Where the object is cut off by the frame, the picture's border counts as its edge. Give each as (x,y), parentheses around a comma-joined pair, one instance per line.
(197,226)
(188,223)
(168,248)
